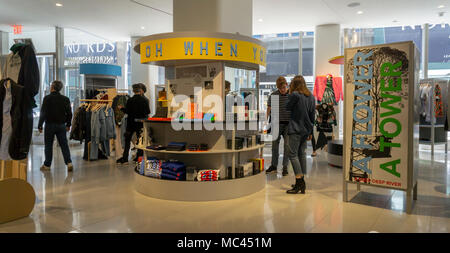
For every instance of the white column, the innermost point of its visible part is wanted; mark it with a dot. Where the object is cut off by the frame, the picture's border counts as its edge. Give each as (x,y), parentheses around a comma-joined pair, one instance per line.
(327,40)
(327,44)
(140,72)
(153,75)
(59,45)
(230,16)
(425,50)
(122,62)
(144,73)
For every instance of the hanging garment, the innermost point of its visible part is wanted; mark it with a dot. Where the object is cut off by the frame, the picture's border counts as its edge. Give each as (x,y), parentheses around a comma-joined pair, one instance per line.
(6,123)
(118,114)
(110,124)
(78,130)
(322,140)
(28,77)
(439,106)
(424,100)
(95,135)
(87,136)
(29,73)
(429,97)
(325,118)
(18,144)
(321,83)
(328,95)
(11,69)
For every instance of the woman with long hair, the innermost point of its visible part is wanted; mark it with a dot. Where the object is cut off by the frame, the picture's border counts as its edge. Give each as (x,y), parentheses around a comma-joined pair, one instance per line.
(301,104)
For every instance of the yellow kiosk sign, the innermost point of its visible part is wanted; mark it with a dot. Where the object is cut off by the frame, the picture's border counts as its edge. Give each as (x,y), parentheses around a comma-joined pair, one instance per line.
(201,48)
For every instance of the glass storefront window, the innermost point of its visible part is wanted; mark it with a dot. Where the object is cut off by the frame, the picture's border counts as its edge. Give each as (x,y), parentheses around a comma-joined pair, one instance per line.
(383,35)
(376,36)
(282,56)
(439,50)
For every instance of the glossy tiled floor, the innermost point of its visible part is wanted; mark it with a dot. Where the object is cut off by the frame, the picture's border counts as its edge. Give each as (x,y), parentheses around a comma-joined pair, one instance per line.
(99,197)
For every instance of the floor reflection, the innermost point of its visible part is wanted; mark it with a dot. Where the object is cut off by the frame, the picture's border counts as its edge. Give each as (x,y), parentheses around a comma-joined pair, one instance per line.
(99,197)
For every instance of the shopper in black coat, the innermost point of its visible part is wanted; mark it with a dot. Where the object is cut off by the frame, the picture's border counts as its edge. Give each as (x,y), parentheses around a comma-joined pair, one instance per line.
(56,112)
(137,108)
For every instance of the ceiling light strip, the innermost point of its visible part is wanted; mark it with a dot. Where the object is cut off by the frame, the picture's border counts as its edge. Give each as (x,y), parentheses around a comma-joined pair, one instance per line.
(153,8)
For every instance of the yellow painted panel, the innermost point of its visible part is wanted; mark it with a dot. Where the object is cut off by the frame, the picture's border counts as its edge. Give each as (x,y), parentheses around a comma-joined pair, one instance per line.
(198,48)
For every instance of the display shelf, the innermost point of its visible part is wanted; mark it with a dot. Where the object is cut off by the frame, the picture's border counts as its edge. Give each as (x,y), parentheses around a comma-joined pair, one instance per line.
(182,71)
(199,191)
(209,152)
(194,121)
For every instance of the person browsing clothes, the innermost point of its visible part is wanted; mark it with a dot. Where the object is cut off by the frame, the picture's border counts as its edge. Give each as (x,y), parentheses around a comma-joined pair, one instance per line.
(284,116)
(137,107)
(301,104)
(56,113)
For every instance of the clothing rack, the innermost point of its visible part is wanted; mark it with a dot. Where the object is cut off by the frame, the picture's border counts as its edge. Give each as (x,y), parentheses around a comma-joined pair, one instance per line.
(97,100)
(433,126)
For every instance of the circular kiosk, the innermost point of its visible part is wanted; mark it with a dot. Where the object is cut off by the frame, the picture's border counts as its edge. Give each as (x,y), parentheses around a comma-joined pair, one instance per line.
(202,71)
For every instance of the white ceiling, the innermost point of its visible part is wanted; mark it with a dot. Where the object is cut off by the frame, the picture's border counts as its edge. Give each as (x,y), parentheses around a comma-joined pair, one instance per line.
(302,15)
(119,19)
(115,20)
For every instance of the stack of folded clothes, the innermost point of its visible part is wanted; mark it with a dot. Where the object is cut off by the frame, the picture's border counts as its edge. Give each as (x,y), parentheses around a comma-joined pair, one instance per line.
(173,170)
(156,147)
(176,146)
(208,175)
(151,168)
(193,147)
(203,147)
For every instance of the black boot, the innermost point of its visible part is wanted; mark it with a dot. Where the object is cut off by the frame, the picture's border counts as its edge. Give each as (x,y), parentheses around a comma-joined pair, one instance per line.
(296,188)
(302,185)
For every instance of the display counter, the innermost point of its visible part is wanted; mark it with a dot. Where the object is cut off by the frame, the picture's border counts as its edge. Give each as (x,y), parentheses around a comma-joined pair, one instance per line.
(203,147)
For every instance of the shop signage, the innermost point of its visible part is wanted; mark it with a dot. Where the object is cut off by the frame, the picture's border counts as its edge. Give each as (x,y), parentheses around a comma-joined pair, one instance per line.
(379,106)
(17,29)
(90,53)
(199,48)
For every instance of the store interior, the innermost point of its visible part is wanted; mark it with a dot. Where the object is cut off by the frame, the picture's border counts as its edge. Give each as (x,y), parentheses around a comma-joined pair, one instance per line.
(379,77)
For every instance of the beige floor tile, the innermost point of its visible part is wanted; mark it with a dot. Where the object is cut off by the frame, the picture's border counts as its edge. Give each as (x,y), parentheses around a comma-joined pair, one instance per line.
(440,225)
(348,218)
(46,224)
(99,196)
(391,221)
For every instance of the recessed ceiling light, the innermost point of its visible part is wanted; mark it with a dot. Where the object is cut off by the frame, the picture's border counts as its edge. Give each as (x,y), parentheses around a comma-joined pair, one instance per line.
(260,20)
(441,6)
(59,4)
(354,4)
(360,12)
(142,27)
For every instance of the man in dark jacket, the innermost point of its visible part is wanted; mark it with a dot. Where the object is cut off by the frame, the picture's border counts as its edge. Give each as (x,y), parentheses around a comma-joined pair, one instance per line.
(56,112)
(137,107)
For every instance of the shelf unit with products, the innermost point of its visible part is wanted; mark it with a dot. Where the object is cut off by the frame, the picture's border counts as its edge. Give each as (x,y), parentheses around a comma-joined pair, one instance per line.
(210,128)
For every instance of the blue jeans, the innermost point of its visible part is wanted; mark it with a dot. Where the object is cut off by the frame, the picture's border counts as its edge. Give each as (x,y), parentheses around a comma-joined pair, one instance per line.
(297,154)
(276,146)
(49,135)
